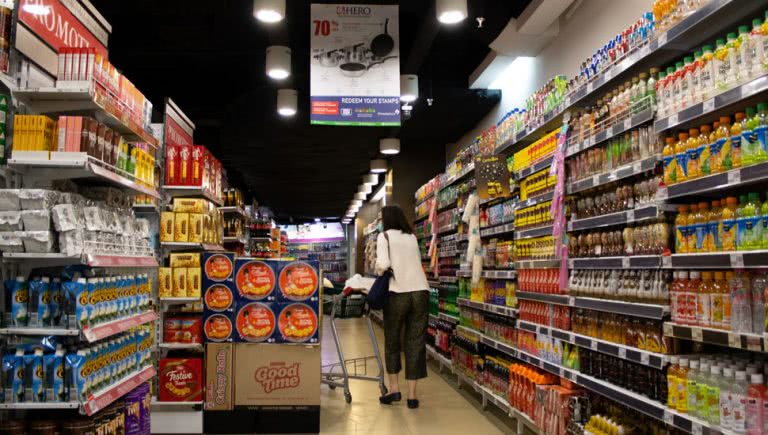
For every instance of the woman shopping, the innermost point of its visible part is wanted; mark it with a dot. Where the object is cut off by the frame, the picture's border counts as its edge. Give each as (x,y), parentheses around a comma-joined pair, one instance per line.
(407,308)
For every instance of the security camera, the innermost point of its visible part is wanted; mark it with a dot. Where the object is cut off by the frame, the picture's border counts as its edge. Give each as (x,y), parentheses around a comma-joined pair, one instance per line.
(429,101)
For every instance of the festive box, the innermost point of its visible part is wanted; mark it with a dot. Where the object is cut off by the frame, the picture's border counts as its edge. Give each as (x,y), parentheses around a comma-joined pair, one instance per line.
(256,322)
(299,281)
(255,280)
(218,267)
(180,380)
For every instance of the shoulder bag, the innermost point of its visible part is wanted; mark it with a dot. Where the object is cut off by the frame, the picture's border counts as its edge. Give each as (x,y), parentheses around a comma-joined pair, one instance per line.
(377,295)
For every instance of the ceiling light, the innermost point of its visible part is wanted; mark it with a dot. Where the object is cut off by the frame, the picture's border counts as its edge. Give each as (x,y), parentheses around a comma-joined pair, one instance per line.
(269,11)
(364,188)
(409,87)
(278,62)
(370,179)
(360,196)
(389,145)
(451,11)
(356,203)
(378,166)
(36,9)
(287,101)
(317,219)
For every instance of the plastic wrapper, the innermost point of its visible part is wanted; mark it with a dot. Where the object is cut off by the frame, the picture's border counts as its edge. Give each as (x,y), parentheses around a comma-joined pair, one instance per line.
(11,242)
(36,220)
(10,221)
(71,242)
(37,199)
(142,228)
(125,222)
(94,219)
(67,217)
(38,241)
(9,200)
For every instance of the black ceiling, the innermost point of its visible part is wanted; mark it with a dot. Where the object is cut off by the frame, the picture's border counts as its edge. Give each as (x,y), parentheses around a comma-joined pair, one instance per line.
(209,58)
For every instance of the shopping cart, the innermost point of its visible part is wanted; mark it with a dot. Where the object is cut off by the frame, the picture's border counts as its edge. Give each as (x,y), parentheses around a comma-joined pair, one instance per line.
(339,373)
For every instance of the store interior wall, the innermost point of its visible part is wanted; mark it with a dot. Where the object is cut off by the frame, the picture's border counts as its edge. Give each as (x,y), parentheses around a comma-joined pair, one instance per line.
(415,165)
(584,26)
(367,214)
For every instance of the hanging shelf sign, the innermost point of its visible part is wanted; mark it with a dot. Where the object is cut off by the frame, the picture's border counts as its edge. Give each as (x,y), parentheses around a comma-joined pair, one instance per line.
(355,65)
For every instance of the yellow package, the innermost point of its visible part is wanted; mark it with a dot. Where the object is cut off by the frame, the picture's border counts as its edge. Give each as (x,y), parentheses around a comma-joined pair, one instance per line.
(189,205)
(193,282)
(196,227)
(166,226)
(165,282)
(185,259)
(179,282)
(181,227)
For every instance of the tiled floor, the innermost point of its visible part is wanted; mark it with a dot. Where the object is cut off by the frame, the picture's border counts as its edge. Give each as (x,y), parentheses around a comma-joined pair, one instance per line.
(444,409)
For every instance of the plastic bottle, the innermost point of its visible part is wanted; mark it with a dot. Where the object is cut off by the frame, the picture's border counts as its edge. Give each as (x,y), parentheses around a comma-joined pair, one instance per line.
(736,130)
(702,382)
(749,143)
(741,310)
(761,131)
(692,154)
(724,286)
(714,227)
(672,382)
(694,78)
(713,395)
(743,55)
(694,218)
(726,407)
(693,386)
(694,288)
(650,88)
(674,297)
(682,386)
(677,87)
(755,397)
(713,150)
(703,300)
(669,162)
(730,229)
(681,228)
(717,300)
(703,153)
(724,155)
(732,43)
(754,222)
(687,299)
(707,73)
(661,99)
(756,52)
(764,223)
(739,402)
(701,228)
(722,65)
(684,99)
(758,287)
(681,157)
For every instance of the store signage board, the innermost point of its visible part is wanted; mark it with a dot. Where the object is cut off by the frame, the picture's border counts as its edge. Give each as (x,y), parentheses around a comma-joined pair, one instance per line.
(491,177)
(314,233)
(179,130)
(355,65)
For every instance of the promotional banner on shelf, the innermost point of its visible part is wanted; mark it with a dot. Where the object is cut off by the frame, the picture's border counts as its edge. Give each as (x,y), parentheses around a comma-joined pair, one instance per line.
(355,65)
(491,177)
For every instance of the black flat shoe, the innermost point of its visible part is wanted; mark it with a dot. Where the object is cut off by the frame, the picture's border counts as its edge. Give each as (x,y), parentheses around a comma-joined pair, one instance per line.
(413,403)
(387,399)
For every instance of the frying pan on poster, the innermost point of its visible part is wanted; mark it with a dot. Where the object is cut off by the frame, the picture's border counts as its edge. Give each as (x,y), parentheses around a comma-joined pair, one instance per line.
(354,69)
(383,44)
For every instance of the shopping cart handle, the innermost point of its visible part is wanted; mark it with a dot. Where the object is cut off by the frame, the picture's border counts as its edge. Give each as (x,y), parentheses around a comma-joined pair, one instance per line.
(354,291)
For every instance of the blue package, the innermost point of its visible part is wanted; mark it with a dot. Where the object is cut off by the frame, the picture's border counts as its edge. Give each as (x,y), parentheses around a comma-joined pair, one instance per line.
(13,372)
(77,302)
(55,390)
(34,287)
(78,370)
(33,377)
(55,307)
(19,298)
(44,318)
(93,309)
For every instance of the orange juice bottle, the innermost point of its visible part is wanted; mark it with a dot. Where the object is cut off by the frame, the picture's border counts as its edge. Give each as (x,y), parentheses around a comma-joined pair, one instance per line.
(723,157)
(694,217)
(736,129)
(715,224)
(703,152)
(669,162)
(717,300)
(704,300)
(729,275)
(681,157)
(729,223)
(681,227)
(692,154)
(701,228)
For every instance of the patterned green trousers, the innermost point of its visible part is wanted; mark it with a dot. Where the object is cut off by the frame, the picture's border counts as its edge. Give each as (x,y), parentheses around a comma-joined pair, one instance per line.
(405,326)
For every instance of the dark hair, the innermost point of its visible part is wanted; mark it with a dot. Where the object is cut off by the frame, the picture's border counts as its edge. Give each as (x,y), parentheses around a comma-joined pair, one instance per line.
(393,218)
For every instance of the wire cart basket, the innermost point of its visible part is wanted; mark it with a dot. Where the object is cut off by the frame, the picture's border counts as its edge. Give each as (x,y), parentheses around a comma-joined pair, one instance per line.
(338,374)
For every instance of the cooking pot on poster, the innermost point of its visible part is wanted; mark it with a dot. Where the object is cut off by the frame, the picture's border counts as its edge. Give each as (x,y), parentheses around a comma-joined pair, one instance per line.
(353,69)
(329,58)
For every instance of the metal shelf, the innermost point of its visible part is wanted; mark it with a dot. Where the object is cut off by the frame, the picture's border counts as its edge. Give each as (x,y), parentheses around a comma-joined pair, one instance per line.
(628,170)
(537,264)
(718,260)
(497,230)
(228,239)
(40,331)
(720,337)
(175,191)
(534,232)
(491,308)
(103,398)
(197,347)
(543,297)
(634,309)
(633,262)
(616,129)
(108,329)
(537,199)
(619,218)
(534,168)
(49,259)
(717,182)
(179,301)
(499,274)
(41,406)
(234,210)
(448,318)
(182,246)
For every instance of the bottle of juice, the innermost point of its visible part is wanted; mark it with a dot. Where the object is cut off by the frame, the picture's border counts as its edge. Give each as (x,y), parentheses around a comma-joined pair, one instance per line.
(669,162)
(694,217)
(694,78)
(723,159)
(650,88)
(749,143)
(681,157)
(754,223)
(713,395)
(741,241)
(703,152)
(701,227)
(677,87)
(761,130)
(704,300)
(743,55)
(722,65)
(765,41)
(685,83)
(672,382)
(764,224)
(755,398)
(723,285)
(692,154)
(714,223)
(682,386)
(694,286)
(703,382)
(692,386)
(683,316)
(716,302)
(739,402)
(681,228)
(661,83)
(729,224)
(707,75)
(736,131)
(757,54)
(732,43)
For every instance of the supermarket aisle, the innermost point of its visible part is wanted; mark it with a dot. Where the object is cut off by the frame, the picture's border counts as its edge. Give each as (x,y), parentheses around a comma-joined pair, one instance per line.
(444,410)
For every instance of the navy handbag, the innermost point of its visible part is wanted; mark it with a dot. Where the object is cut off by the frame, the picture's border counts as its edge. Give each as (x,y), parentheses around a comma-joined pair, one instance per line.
(377,295)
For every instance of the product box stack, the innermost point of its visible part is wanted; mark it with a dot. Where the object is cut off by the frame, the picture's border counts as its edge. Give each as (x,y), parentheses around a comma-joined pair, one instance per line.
(551,409)
(194,165)
(183,278)
(193,220)
(256,302)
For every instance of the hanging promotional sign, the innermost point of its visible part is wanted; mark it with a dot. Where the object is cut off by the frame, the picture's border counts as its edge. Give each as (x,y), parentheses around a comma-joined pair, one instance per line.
(59,27)
(355,65)
(491,177)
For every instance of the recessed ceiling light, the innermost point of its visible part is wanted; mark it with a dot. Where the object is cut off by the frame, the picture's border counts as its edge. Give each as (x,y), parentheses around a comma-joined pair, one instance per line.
(269,11)
(370,179)
(389,145)
(451,11)
(287,101)
(317,219)
(409,88)
(278,62)
(378,166)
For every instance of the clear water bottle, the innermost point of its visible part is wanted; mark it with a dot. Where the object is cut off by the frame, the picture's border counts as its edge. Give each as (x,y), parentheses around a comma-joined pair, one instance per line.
(741,310)
(759,284)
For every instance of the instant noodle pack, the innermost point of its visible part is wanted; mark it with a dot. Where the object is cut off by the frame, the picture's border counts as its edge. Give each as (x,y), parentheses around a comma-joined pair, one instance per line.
(260,301)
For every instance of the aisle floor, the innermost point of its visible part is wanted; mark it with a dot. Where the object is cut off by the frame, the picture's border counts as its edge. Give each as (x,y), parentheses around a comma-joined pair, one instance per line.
(444,409)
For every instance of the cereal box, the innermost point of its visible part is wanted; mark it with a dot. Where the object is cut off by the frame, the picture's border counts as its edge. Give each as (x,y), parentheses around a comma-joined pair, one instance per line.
(218,327)
(165,282)
(179,289)
(219,384)
(219,297)
(256,280)
(299,281)
(196,227)
(180,380)
(181,227)
(256,321)
(297,322)
(166,226)
(218,267)
(185,259)
(189,205)
(194,281)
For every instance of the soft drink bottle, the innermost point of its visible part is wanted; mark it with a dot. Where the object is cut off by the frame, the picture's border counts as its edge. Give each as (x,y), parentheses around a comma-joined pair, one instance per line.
(755,405)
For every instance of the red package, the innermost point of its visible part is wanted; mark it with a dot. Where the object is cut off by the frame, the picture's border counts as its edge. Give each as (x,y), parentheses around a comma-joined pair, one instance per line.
(182,329)
(180,380)
(172,165)
(185,165)
(198,152)
(171,329)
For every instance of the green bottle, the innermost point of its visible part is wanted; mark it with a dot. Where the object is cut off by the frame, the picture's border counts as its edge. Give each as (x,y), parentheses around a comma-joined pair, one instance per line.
(764,223)
(761,132)
(749,142)
(741,240)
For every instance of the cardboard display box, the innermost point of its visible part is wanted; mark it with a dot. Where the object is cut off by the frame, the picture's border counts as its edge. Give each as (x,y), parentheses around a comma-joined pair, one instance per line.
(218,376)
(283,375)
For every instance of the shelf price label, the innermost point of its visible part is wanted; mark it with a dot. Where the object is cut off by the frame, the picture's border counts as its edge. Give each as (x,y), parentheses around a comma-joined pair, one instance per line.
(630,215)
(696,334)
(737,260)
(593,345)
(644,358)
(668,417)
(622,353)
(627,123)
(695,428)
(672,120)
(734,340)
(668,330)
(709,105)
(734,177)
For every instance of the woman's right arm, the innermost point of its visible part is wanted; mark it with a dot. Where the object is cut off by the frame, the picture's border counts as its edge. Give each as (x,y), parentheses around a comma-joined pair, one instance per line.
(383,261)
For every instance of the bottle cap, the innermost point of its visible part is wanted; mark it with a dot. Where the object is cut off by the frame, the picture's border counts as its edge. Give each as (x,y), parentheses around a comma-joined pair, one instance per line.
(697,54)
(683,362)
(654,70)
(750,112)
(743,29)
(705,128)
(670,70)
(731,200)
(741,375)
(757,22)
(719,275)
(687,59)
(757,378)
(719,43)
(683,274)
(725,120)
(707,48)
(674,360)
(739,116)
(682,136)
(754,196)
(679,65)
(694,364)
(693,132)
(643,76)
(731,36)
(682,209)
